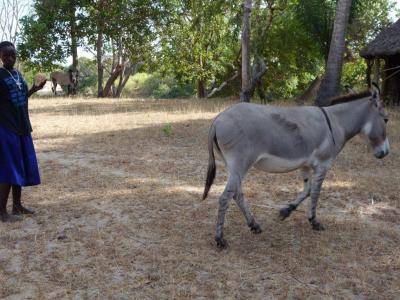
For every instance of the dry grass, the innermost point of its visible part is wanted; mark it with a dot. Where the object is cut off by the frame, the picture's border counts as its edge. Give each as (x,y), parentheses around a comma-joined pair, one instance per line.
(120,216)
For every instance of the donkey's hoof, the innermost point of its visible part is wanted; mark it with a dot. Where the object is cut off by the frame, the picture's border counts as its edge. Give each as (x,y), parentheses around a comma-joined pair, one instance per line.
(284,213)
(221,243)
(255,228)
(318,227)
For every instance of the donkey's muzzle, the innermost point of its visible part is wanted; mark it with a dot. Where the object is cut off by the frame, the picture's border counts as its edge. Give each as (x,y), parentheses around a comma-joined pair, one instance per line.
(380,154)
(382,150)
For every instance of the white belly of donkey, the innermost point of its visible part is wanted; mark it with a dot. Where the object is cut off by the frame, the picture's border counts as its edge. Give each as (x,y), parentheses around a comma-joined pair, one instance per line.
(275,164)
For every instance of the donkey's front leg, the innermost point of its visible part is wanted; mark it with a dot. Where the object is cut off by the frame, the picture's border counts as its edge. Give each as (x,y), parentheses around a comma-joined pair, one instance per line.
(318,178)
(230,190)
(286,211)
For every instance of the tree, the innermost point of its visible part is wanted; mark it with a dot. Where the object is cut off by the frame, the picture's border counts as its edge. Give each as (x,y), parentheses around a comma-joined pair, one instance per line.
(265,13)
(198,43)
(51,34)
(94,24)
(10,13)
(88,75)
(121,32)
(330,85)
(245,94)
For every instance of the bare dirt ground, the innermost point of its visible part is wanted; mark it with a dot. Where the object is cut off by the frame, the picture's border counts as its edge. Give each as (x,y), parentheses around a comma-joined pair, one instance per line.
(119,214)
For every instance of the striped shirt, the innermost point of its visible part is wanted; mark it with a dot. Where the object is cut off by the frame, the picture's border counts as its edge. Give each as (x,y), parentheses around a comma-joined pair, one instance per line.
(14,103)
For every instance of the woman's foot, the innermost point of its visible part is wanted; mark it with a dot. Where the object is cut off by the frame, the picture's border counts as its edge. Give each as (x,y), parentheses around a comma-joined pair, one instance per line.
(5,217)
(20,210)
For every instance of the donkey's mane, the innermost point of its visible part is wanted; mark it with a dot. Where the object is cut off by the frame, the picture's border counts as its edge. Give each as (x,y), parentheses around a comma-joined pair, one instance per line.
(349,97)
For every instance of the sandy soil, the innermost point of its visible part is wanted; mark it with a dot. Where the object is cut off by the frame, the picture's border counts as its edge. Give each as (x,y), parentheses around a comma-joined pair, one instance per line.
(119,214)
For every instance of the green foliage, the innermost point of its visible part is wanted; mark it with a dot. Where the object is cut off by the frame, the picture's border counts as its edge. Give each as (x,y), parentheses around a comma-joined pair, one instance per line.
(186,42)
(171,88)
(126,25)
(45,35)
(134,86)
(199,43)
(290,71)
(155,86)
(316,17)
(87,76)
(354,74)
(167,130)
(369,18)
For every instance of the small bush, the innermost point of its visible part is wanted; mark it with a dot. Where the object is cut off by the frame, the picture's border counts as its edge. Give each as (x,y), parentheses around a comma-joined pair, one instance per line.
(162,91)
(167,130)
(155,86)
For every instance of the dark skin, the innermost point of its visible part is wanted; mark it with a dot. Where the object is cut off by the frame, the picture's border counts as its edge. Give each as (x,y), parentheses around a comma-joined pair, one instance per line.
(9,56)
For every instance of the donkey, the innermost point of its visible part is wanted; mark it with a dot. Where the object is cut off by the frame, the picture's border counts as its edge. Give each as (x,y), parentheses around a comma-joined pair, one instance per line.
(280,140)
(68,79)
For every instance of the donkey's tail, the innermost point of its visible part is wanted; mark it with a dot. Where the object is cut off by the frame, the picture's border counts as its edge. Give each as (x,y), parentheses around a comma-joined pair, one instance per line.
(211,171)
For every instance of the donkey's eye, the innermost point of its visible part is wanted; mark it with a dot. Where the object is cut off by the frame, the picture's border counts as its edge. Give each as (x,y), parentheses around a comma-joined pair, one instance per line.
(386,120)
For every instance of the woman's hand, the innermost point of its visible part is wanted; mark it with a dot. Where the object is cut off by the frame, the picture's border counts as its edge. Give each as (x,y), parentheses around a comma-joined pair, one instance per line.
(36,88)
(40,86)
(40,81)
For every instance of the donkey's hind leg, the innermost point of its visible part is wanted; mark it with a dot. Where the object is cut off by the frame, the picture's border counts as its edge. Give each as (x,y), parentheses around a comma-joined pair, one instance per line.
(230,191)
(287,210)
(241,202)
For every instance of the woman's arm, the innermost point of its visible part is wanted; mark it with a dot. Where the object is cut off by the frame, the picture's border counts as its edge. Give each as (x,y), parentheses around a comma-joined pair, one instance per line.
(36,88)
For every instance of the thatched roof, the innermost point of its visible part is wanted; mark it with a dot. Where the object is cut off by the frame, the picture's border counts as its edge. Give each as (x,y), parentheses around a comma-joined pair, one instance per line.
(386,43)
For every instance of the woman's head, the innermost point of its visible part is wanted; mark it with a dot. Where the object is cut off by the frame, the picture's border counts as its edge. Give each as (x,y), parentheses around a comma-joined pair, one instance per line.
(8,54)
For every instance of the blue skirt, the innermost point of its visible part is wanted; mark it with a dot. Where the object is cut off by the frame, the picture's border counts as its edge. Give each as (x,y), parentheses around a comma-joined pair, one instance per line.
(18,164)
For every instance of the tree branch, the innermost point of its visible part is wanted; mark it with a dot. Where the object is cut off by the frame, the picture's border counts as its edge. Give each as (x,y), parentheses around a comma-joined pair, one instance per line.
(114,75)
(225,83)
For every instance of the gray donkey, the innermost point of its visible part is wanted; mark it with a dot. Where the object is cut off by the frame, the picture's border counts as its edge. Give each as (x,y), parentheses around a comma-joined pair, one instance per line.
(68,79)
(280,140)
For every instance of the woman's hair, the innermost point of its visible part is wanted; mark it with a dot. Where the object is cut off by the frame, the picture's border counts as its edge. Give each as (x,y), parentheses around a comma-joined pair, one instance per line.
(6,44)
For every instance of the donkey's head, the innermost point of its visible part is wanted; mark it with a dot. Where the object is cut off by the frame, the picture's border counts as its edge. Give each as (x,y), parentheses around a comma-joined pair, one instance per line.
(375,125)
(73,76)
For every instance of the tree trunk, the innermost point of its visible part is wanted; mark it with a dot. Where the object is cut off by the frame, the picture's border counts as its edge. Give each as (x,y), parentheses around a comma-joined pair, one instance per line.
(99,48)
(131,71)
(311,92)
(245,94)
(74,44)
(330,85)
(114,75)
(261,92)
(201,90)
(115,62)
(377,70)
(369,68)
(258,71)
(100,68)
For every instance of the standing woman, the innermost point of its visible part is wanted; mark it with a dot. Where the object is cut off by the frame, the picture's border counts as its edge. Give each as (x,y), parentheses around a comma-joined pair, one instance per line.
(18,164)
